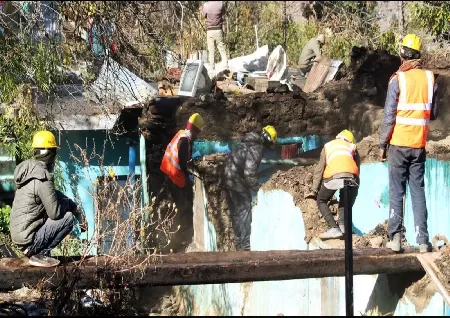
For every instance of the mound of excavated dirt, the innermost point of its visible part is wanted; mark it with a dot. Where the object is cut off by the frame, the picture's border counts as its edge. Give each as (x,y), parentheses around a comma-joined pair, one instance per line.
(437,60)
(217,211)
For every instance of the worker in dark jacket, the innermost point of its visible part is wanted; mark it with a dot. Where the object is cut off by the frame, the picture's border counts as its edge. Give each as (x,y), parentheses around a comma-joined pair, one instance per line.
(239,179)
(339,161)
(41,217)
(410,104)
(176,165)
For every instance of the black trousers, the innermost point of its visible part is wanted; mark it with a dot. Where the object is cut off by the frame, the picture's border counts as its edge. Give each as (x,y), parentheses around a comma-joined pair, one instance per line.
(240,206)
(407,165)
(325,195)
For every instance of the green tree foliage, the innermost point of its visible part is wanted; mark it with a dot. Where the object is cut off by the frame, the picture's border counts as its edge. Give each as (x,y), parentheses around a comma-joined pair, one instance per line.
(432,16)
(5,211)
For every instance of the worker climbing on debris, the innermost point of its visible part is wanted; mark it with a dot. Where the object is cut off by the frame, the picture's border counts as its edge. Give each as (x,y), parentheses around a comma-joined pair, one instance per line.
(41,217)
(176,165)
(239,179)
(410,104)
(213,12)
(311,53)
(339,161)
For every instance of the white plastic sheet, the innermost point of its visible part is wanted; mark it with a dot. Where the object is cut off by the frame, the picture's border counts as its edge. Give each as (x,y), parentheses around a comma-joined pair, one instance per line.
(116,83)
(277,66)
(257,61)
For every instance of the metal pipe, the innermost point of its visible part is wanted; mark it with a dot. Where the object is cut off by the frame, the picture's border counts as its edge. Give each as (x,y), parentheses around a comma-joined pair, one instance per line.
(348,251)
(132,161)
(144,176)
(132,176)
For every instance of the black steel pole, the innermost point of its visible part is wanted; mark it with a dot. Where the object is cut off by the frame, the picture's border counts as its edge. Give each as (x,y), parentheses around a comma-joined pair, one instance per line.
(348,252)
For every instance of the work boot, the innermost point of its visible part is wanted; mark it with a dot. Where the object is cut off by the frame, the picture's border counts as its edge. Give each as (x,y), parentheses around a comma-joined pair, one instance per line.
(41,260)
(396,243)
(333,233)
(424,248)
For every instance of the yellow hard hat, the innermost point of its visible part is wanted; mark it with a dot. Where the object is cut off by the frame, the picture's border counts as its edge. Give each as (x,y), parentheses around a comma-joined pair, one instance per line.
(347,135)
(271,133)
(196,120)
(412,41)
(44,139)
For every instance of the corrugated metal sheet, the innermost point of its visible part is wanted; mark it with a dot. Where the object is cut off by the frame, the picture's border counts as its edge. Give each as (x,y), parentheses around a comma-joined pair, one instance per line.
(321,73)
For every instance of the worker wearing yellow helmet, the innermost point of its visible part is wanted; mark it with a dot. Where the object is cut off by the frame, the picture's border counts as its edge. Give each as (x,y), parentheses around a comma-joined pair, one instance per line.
(240,178)
(176,165)
(41,216)
(410,105)
(339,161)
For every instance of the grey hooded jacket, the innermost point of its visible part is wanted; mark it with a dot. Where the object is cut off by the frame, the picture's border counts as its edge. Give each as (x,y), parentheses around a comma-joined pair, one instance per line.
(242,164)
(35,200)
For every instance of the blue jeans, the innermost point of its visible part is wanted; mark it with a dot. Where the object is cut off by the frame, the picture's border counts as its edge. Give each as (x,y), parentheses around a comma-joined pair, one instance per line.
(50,235)
(407,165)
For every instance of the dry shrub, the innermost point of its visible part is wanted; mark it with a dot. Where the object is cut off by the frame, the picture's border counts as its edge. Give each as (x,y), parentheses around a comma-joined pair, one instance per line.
(121,237)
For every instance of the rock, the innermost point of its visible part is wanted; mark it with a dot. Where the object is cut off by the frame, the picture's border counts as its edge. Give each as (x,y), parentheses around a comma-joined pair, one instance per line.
(376,242)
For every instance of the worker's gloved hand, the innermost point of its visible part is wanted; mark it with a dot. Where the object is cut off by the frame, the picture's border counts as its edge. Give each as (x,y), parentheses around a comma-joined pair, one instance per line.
(382,155)
(311,195)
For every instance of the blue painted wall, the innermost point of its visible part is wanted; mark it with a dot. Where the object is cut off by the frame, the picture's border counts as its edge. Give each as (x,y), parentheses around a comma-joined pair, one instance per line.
(80,179)
(278,225)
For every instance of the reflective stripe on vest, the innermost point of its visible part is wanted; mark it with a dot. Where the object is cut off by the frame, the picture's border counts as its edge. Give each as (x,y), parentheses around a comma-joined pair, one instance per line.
(413,109)
(339,158)
(170,164)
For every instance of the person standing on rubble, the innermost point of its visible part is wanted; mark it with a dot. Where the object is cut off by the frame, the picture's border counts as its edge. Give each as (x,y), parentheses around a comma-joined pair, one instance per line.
(213,12)
(339,161)
(410,104)
(176,165)
(41,217)
(239,179)
(311,53)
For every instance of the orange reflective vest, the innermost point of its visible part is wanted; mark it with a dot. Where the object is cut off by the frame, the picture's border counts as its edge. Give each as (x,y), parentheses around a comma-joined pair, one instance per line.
(170,164)
(413,109)
(339,158)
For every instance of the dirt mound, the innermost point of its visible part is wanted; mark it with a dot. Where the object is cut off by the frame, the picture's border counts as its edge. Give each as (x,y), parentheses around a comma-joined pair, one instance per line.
(210,168)
(372,68)
(437,60)
(293,114)
(367,77)
(375,238)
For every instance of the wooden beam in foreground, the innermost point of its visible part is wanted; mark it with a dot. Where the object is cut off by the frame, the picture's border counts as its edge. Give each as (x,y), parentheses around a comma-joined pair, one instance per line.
(213,268)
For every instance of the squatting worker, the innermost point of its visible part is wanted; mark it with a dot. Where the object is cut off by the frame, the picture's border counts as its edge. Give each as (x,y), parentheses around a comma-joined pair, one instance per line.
(339,161)
(311,53)
(213,12)
(41,217)
(410,104)
(239,179)
(175,165)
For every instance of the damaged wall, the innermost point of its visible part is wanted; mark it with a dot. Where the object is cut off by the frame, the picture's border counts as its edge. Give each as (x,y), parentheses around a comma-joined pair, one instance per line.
(278,224)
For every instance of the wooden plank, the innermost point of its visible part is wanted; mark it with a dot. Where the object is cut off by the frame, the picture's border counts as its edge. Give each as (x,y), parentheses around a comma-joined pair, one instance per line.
(214,268)
(317,75)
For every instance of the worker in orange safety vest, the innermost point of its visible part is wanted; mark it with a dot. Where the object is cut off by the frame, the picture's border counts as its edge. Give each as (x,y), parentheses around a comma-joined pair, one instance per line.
(339,161)
(410,104)
(175,165)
